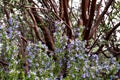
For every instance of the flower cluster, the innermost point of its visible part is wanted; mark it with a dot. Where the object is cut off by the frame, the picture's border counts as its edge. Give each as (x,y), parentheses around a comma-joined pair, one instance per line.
(80,65)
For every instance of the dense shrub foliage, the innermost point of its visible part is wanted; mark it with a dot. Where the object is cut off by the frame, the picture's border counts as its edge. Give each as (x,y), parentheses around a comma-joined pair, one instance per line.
(26,55)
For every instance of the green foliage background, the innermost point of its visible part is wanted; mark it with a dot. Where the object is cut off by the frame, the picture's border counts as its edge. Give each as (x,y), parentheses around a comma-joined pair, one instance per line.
(80,65)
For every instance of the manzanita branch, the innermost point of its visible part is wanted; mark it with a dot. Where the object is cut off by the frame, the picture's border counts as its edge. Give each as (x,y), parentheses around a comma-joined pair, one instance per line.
(112,30)
(108,36)
(54,5)
(61,11)
(3,63)
(85,11)
(35,26)
(24,53)
(48,38)
(95,26)
(67,19)
(98,9)
(90,20)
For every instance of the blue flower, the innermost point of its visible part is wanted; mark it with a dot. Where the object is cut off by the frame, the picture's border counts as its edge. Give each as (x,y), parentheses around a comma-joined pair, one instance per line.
(57,50)
(1,27)
(10,21)
(84,75)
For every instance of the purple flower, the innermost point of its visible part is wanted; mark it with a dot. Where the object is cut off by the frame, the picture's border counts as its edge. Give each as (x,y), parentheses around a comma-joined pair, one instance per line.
(70,46)
(10,21)
(60,63)
(84,75)
(57,50)
(28,48)
(77,34)
(1,27)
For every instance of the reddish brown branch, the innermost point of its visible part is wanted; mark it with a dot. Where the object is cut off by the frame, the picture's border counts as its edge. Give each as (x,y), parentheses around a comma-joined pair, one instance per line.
(85,11)
(100,18)
(108,36)
(24,53)
(98,9)
(53,5)
(23,38)
(64,15)
(94,43)
(39,22)
(6,12)
(3,63)
(61,9)
(112,30)
(35,26)
(89,24)
(45,2)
